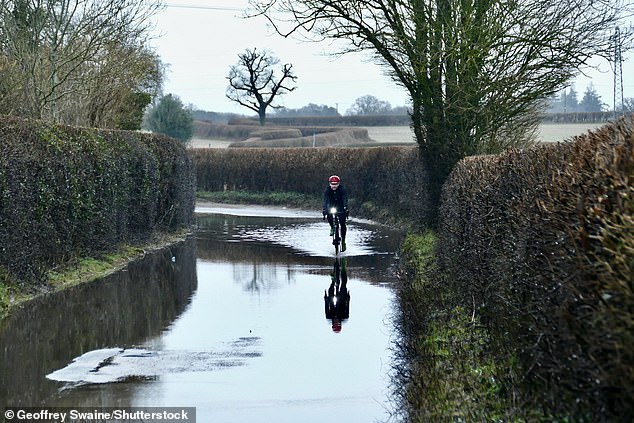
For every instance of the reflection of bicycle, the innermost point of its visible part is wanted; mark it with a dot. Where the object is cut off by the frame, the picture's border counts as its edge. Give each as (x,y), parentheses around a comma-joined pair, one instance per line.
(337,297)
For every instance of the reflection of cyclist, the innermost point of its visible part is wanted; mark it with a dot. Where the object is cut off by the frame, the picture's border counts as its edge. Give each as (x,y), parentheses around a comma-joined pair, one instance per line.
(336,196)
(337,297)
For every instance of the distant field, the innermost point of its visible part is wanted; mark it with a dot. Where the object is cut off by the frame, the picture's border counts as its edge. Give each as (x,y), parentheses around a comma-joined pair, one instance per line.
(208,143)
(560,132)
(547,132)
(403,134)
(391,134)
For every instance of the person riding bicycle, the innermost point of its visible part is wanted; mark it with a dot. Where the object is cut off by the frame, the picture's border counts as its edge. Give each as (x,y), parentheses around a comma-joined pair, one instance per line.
(336,196)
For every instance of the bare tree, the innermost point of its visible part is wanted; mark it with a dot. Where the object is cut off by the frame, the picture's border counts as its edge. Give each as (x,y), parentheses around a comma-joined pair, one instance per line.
(54,46)
(477,71)
(254,84)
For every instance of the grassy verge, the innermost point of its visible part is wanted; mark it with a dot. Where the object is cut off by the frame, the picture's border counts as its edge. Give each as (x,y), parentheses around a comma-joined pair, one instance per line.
(79,270)
(288,199)
(444,368)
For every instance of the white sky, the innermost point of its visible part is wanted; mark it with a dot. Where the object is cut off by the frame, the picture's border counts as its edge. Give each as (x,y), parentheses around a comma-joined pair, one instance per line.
(201,39)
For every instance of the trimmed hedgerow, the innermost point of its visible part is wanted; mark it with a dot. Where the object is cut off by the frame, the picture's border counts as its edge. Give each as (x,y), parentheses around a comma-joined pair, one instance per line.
(278,136)
(336,137)
(204,129)
(67,191)
(382,180)
(540,244)
(356,120)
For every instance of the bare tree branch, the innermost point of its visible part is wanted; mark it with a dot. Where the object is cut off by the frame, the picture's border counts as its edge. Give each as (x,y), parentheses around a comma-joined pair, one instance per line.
(54,43)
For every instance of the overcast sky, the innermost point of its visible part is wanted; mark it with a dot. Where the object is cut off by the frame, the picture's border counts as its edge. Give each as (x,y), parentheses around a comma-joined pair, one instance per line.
(200,39)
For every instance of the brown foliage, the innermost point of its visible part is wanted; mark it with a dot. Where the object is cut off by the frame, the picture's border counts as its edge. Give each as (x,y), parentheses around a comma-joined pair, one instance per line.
(577,117)
(276,138)
(279,136)
(275,133)
(541,243)
(203,129)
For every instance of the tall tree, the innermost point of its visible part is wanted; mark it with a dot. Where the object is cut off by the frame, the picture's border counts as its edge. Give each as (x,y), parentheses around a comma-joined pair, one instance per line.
(172,118)
(591,101)
(254,83)
(477,71)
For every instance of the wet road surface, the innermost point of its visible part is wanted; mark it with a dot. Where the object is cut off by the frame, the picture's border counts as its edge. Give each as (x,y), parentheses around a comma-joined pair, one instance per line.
(232,322)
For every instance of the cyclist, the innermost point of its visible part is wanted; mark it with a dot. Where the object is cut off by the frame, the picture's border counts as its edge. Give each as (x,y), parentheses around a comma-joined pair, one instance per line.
(336,196)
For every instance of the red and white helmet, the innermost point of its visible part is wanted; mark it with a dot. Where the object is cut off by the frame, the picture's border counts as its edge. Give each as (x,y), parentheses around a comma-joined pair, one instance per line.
(334,180)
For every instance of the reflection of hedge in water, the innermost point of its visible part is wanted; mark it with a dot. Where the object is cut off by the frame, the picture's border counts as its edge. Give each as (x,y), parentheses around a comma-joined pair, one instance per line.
(215,230)
(367,268)
(68,190)
(542,243)
(121,310)
(378,179)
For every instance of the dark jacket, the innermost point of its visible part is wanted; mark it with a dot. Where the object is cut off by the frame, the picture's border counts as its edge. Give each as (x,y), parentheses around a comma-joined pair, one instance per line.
(335,198)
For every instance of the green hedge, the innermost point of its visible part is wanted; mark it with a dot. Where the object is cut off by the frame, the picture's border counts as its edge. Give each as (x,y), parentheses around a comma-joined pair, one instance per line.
(389,179)
(540,244)
(67,191)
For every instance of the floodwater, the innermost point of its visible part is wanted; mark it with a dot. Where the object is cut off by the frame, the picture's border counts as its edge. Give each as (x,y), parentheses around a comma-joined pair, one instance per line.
(232,322)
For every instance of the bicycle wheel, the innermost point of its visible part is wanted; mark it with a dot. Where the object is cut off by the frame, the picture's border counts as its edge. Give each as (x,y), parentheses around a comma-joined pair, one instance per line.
(336,239)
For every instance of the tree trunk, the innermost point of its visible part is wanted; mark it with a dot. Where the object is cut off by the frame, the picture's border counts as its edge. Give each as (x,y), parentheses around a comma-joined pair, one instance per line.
(262,115)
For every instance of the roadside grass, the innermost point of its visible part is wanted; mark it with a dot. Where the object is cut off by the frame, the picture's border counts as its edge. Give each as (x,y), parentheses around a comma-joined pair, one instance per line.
(288,199)
(445,370)
(80,270)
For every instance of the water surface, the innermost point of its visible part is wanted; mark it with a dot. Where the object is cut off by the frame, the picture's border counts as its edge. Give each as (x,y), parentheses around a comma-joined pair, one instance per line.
(232,322)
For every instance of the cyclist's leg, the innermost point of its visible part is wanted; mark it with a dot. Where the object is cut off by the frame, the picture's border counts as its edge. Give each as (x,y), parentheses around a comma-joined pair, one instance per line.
(344,229)
(342,224)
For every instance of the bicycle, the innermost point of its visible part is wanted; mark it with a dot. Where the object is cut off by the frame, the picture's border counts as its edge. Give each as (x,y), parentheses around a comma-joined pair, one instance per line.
(336,237)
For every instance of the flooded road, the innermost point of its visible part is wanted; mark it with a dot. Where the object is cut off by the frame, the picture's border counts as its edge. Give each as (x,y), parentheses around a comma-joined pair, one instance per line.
(233,322)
